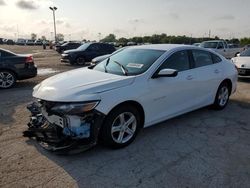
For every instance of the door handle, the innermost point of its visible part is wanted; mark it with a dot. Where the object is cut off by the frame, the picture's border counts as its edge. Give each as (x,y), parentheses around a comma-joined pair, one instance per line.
(190,77)
(216,71)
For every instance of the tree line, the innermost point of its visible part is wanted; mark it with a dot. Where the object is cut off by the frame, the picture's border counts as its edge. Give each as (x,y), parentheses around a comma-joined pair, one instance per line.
(164,38)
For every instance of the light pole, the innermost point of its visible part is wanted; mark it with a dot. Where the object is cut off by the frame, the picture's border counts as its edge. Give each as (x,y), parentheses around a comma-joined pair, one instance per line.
(54,18)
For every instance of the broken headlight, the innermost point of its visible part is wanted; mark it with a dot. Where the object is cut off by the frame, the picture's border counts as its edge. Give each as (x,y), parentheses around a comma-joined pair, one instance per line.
(74,108)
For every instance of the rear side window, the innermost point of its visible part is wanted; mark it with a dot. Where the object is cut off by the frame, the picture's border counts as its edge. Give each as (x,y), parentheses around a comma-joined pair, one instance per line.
(216,59)
(94,47)
(5,54)
(178,61)
(202,58)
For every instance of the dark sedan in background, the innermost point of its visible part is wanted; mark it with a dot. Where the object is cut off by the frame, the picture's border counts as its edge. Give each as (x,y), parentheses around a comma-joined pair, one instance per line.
(67,46)
(15,67)
(86,52)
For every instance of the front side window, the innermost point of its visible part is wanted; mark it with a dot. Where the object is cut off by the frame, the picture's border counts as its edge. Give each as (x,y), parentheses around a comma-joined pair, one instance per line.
(202,58)
(131,61)
(178,61)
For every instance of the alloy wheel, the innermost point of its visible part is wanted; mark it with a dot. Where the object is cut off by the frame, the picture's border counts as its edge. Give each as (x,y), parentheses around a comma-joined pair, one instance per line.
(223,96)
(7,79)
(123,127)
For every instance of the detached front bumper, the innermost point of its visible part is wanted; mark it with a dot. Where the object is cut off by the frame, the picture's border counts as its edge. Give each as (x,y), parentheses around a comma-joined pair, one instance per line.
(62,137)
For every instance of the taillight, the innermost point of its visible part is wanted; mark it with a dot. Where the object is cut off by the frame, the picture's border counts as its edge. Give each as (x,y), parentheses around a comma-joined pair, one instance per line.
(29,59)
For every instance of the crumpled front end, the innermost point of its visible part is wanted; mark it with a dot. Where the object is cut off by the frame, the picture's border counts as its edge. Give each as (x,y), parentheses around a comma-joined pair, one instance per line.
(64,127)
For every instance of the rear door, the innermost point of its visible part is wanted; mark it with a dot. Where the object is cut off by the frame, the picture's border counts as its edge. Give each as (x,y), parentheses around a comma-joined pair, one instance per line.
(208,71)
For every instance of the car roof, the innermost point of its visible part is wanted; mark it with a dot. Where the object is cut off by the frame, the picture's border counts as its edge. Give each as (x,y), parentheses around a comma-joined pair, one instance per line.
(165,47)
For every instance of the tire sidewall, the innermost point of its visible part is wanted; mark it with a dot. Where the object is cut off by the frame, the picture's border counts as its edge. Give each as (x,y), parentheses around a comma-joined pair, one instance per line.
(217,102)
(81,63)
(105,134)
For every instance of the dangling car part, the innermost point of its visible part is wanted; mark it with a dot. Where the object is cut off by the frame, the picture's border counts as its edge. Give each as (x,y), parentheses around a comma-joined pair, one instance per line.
(64,127)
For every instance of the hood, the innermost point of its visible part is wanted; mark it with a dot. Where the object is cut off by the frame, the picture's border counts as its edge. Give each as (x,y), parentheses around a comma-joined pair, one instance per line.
(242,62)
(79,85)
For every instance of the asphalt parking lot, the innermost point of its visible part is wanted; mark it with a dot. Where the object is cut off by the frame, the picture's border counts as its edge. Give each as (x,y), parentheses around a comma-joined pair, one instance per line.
(204,148)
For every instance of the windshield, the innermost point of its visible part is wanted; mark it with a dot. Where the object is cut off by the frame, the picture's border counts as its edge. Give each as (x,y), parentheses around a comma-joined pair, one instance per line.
(129,61)
(245,53)
(209,44)
(84,46)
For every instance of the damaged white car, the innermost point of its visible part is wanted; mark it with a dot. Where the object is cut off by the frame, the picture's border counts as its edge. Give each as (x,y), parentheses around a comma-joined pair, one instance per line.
(135,88)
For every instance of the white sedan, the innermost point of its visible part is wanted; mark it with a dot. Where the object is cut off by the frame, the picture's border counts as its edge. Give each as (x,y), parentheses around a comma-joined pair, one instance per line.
(133,89)
(242,62)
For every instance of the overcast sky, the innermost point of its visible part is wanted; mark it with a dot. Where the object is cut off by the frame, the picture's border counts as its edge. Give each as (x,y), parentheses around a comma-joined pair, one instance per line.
(85,19)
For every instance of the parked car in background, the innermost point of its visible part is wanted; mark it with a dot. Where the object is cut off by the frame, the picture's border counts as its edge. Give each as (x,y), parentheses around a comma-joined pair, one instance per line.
(196,44)
(15,67)
(1,40)
(8,41)
(29,42)
(21,41)
(86,52)
(135,88)
(99,59)
(67,46)
(221,47)
(242,62)
(38,42)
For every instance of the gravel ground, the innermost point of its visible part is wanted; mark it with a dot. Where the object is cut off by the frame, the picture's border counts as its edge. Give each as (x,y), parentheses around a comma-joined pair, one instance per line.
(204,148)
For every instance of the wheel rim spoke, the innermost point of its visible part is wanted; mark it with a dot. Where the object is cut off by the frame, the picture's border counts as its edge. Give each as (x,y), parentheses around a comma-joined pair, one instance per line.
(131,120)
(120,137)
(123,127)
(116,129)
(122,119)
(129,131)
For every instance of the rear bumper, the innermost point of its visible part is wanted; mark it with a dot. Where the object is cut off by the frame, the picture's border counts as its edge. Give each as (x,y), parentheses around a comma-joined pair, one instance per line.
(243,72)
(27,73)
(53,137)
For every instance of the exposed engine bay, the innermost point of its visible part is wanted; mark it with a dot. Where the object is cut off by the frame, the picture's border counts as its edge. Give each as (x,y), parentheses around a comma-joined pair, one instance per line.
(64,127)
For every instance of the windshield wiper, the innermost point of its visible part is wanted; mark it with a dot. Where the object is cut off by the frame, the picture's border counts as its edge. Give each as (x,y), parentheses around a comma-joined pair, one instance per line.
(105,66)
(124,70)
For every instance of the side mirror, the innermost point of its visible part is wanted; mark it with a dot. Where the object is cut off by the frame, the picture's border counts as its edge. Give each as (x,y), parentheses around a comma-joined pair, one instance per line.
(166,73)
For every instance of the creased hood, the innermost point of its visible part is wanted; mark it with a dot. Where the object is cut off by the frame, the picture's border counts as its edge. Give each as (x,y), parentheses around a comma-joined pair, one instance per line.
(79,85)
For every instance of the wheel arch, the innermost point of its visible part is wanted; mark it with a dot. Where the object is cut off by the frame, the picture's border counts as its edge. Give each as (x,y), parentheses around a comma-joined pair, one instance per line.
(229,82)
(136,104)
(11,70)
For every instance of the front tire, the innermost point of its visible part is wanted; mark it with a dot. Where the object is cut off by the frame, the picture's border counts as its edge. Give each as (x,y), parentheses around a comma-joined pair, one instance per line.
(222,96)
(7,79)
(121,127)
(80,61)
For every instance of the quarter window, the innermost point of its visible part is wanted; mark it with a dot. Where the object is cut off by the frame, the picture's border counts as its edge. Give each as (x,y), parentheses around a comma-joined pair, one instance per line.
(178,61)
(202,58)
(216,59)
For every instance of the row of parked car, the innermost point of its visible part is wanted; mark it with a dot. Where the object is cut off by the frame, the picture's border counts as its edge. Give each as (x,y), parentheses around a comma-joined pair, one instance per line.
(28,42)
(17,66)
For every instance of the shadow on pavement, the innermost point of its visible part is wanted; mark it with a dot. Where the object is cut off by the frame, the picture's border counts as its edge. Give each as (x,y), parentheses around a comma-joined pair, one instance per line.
(185,148)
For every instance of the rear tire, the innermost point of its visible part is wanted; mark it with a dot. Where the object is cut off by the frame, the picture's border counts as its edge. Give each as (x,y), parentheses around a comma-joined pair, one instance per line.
(120,127)
(7,79)
(222,96)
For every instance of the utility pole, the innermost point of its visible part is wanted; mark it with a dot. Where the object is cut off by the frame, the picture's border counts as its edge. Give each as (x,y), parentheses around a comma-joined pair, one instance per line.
(54,18)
